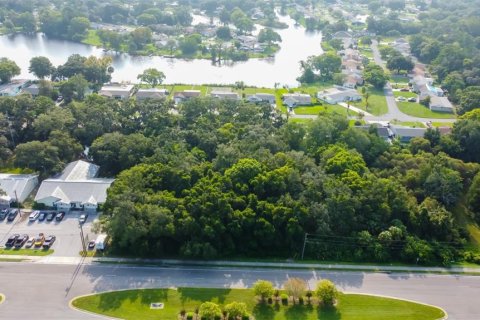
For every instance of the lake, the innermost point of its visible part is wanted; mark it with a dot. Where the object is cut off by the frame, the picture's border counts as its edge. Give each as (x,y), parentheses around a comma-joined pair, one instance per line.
(284,68)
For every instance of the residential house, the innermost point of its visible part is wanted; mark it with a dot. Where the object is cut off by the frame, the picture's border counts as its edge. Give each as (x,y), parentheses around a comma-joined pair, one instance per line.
(33,89)
(261,97)
(296,99)
(382,131)
(118,91)
(16,186)
(227,95)
(184,95)
(13,88)
(405,134)
(441,104)
(338,94)
(151,93)
(77,188)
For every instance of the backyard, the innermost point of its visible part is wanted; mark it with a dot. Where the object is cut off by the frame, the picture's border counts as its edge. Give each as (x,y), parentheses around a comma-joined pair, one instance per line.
(377,103)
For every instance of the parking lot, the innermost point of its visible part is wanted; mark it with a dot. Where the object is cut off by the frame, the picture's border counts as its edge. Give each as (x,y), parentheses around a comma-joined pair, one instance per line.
(68,242)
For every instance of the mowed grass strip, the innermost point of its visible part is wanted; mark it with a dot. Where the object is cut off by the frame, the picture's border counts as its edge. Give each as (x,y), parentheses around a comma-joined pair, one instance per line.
(26,252)
(135,304)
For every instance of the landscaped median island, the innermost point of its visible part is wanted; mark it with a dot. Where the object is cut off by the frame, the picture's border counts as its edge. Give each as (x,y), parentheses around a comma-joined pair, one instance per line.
(261,302)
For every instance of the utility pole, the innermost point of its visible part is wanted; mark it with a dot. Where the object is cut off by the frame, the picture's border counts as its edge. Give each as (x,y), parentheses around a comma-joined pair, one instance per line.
(304,244)
(83,239)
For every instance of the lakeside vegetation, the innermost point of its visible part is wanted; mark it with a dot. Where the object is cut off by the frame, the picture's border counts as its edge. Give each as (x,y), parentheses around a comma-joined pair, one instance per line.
(135,304)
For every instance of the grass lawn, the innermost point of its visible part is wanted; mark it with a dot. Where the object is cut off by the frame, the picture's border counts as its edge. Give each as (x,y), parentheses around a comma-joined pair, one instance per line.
(399,79)
(417,110)
(406,94)
(26,252)
(300,120)
(92,38)
(135,304)
(315,110)
(377,103)
(442,124)
(409,124)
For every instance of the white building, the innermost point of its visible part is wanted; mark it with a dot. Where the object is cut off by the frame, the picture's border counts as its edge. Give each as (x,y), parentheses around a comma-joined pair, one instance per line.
(76,188)
(228,95)
(117,91)
(16,186)
(338,94)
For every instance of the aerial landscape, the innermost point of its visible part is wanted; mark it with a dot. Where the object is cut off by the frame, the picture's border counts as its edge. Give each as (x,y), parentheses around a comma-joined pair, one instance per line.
(240,160)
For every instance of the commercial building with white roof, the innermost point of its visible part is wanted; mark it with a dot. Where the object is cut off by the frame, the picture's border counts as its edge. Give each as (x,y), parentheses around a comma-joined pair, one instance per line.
(16,186)
(76,188)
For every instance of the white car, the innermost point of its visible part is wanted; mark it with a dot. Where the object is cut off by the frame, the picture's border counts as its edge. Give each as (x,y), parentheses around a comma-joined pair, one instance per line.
(34,215)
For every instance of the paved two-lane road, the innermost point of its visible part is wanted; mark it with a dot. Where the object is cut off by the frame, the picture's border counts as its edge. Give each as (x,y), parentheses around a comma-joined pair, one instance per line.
(42,291)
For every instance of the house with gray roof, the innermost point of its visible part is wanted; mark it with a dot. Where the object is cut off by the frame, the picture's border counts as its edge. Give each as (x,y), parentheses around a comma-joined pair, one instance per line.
(296,99)
(228,95)
(441,104)
(184,95)
(77,187)
(405,134)
(16,186)
(151,93)
(261,97)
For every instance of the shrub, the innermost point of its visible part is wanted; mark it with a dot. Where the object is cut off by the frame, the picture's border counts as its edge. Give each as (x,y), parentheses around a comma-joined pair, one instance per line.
(190,315)
(183,313)
(327,292)
(209,311)
(236,309)
(263,288)
(295,287)
(270,300)
(284,298)
(300,300)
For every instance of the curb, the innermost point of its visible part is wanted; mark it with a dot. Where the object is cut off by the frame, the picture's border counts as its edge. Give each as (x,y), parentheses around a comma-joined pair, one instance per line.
(71,306)
(401,299)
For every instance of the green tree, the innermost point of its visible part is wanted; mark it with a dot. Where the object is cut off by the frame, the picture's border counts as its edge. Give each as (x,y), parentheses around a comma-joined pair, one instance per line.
(473,197)
(263,289)
(27,22)
(38,156)
(269,36)
(152,76)
(146,19)
(469,99)
(74,88)
(41,67)
(399,63)
(224,33)
(444,184)
(375,75)
(8,70)
(78,27)
(326,292)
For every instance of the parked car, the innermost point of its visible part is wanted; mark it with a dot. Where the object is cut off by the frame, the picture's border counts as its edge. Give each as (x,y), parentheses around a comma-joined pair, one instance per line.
(42,216)
(60,216)
(39,240)
(51,216)
(3,214)
(30,242)
(48,242)
(405,89)
(33,216)
(412,99)
(83,218)
(91,245)
(12,215)
(11,240)
(21,241)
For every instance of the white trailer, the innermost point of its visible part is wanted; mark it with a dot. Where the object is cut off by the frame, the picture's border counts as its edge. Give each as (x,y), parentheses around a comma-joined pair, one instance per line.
(101,242)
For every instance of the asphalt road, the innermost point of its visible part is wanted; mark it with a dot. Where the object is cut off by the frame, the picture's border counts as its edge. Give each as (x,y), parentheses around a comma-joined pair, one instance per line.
(42,291)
